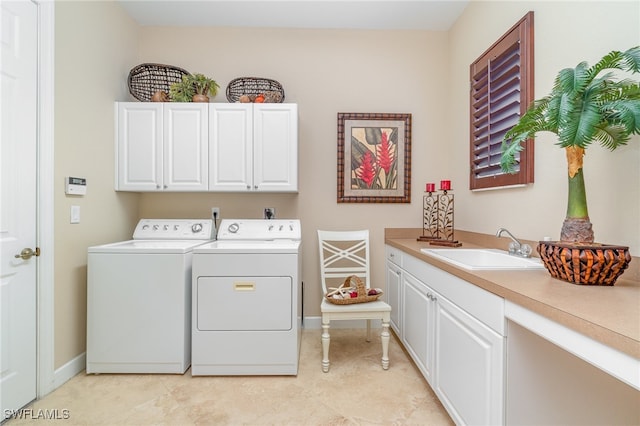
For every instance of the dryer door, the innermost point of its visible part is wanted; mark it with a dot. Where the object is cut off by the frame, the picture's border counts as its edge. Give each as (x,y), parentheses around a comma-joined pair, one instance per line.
(244,303)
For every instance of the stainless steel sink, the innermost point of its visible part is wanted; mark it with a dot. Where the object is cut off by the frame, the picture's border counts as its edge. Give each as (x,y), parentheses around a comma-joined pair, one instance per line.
(483,259)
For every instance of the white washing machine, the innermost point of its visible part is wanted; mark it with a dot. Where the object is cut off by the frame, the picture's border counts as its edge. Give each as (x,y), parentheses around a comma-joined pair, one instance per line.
(139,298)
(247,299)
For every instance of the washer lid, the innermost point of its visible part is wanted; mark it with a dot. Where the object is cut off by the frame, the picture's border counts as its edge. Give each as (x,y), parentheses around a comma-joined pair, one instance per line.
(149,246)
(259,229)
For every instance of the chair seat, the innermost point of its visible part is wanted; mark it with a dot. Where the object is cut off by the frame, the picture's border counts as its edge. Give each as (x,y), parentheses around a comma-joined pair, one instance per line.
(376,306)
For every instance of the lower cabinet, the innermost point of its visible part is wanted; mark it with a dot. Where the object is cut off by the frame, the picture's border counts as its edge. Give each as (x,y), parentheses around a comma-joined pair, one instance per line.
(454,332)
(394,274)
(417,321)
(468,357)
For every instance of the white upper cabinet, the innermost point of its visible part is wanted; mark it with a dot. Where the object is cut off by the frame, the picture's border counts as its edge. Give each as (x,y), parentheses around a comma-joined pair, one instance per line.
(253,147)
(231,143)
(206,147)
(275,147)
(161,146)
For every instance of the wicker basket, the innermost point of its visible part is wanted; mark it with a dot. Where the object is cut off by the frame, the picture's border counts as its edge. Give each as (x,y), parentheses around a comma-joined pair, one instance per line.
(589,264)
(253,86)
(348,286)
(146,79)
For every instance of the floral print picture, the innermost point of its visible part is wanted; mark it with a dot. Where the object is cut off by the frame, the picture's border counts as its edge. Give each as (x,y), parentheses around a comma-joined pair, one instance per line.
(373,154)
(374,157)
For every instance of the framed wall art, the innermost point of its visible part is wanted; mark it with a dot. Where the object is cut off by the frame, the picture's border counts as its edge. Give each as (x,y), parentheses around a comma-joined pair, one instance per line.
(374,158)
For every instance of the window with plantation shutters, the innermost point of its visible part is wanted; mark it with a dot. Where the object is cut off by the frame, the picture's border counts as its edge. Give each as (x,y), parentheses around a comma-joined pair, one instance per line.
(501,91)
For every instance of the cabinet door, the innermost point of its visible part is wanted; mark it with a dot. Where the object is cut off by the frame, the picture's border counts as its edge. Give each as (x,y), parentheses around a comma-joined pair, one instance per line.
(186,147)
(394,275)
(417,323)
(139,154)
(275,138)
(468,366)
(231,147)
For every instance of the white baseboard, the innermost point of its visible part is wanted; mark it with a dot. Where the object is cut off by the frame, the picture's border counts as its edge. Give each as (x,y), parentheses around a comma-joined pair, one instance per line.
(70,369)
(316,323)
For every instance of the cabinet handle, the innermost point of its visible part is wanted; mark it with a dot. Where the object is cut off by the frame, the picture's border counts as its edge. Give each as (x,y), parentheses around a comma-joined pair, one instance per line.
(248,187)
(255,187)
(392,255)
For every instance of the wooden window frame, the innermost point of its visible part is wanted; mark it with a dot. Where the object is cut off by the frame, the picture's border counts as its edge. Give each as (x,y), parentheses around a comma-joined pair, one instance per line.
(522,35)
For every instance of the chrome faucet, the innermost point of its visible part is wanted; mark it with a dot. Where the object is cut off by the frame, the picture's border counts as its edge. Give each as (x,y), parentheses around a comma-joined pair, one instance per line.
(516,248)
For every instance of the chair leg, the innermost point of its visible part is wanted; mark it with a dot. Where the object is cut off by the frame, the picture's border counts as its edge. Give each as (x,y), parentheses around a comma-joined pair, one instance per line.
(368,330)
(326,339)
(384,336)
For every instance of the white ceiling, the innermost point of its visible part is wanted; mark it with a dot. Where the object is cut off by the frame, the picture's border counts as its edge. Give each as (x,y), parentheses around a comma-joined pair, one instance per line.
(436,15)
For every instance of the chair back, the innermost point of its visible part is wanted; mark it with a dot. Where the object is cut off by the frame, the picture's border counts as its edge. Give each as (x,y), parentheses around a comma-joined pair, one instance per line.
(343,253)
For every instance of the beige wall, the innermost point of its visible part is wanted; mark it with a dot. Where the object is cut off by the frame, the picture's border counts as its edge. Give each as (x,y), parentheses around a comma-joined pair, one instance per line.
(566,33)
(95,46)
(326,72)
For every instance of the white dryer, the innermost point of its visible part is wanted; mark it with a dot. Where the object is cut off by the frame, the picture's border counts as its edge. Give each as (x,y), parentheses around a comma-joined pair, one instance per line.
(247,299)
(139,298)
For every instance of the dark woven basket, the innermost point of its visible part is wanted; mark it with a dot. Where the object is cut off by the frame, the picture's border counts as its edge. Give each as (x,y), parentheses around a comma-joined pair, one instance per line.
(146,79)
(588,264)
(252,86)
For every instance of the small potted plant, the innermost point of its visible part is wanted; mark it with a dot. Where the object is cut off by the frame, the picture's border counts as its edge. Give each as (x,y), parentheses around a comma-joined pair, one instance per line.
(193,88)
(585,105)
(203,87)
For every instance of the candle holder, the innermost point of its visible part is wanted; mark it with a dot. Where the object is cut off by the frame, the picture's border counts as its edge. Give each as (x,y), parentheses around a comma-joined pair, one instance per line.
(437,219)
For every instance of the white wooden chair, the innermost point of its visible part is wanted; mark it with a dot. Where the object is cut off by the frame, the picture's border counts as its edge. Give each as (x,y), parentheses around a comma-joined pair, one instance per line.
(345,253)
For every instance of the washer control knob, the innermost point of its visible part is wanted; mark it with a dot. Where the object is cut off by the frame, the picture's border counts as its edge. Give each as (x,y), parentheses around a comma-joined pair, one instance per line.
(234,227)
(196,227)
(165,227)
(155,227)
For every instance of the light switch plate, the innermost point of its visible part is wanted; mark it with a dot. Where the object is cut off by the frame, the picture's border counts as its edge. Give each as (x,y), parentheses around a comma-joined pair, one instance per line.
(75,214)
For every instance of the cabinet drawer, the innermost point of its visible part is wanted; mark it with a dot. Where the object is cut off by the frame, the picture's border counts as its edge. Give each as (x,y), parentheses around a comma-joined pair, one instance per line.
(393,255)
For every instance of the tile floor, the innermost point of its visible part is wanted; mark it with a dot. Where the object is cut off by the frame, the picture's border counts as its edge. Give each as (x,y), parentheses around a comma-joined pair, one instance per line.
(356,391)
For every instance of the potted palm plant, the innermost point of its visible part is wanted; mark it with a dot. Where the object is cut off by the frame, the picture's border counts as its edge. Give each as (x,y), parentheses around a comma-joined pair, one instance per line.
(586,104)
(193,88)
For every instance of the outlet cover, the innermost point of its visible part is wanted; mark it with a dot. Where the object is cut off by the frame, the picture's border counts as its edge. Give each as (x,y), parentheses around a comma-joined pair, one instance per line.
(269,213)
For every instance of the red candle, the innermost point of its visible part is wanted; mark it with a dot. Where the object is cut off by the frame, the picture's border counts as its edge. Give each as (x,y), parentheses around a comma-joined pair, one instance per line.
(431,187)
(445,185)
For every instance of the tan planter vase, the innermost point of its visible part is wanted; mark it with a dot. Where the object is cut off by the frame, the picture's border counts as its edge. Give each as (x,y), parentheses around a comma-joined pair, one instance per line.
(200,98)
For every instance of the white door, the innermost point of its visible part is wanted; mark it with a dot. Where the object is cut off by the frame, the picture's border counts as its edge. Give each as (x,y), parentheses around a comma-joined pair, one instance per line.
(186,146)
(469,366)
(393,295)
(231,147)
(417,323)
(275,147)
(18,82)
(139,146)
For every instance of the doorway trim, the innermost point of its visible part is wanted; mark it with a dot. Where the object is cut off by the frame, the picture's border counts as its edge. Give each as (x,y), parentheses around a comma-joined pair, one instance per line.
(45,204)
